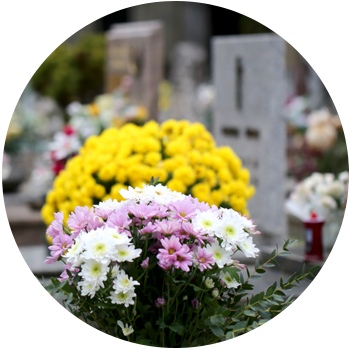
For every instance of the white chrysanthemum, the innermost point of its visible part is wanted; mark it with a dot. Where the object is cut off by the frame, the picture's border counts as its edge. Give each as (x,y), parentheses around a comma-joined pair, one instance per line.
(206,221)
(336,189)
(344,176)
(88,288)
(101,247)
(127,253)
(160,194)
(135,195)
(248,248)
(110,204)
(127,330)
(177,196)
(120,238)
(228,280)
(115,271)
(122,298)
(209,283)
(328,202)
(221,255)
(230,230)
(73,255)
(124,283)
(94,272)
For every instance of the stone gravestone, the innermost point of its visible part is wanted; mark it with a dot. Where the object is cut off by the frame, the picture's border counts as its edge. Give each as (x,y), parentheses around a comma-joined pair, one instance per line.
(136,50)
(187,71)
(328,82)
(250,81)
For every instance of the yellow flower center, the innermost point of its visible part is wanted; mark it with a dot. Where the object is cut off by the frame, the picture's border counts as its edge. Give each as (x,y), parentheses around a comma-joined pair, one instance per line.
(171,251)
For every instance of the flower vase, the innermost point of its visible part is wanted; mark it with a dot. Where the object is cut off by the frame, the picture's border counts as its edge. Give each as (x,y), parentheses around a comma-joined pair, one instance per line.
(313,240)
(336,233)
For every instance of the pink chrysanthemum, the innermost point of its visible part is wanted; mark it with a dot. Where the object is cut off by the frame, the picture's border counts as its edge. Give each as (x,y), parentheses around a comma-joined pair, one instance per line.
(175,253)
(81,218)
(148,229)
(198,235)
(60,245)
(204,259)
(64,275)
(143,211)
(184,209)
(184,259)
(202,206)
(56,226)
(238,265)
(119,219)
(170,251)
(162,211)
(166,228)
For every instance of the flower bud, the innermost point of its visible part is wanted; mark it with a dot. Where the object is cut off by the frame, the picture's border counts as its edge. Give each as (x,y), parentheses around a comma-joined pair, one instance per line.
(215,293)
(159,302)
(144,264)
(209,283)
(195,303)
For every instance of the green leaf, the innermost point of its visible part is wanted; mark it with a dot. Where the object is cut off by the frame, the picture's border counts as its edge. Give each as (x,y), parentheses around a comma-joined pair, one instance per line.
(217,331)
(153,334)
(314,269)
(144,344)
(260,271)
(256,277)
(273,254)
(278,298)
(249,313)
(239,326)
(256,264)
(285,253)
(177,328)
(229,335)
(217,320)
(269,265)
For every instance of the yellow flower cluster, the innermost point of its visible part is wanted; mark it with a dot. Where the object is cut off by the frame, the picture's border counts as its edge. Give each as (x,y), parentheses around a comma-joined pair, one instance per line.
(181,154)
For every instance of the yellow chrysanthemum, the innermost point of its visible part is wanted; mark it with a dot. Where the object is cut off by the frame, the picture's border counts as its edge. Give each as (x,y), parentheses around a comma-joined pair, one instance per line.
(181,154)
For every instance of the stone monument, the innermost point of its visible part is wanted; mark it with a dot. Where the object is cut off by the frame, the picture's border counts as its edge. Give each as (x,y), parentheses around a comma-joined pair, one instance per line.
(187,71)
(136,50)
(249,76)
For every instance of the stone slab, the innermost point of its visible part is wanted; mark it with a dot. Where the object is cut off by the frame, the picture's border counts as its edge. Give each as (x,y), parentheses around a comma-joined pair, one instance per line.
(22,226)
(136,49)
(250,81)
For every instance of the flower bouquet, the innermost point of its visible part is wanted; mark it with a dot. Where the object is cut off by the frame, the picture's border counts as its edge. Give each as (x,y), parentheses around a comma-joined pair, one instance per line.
(159,269)
(319,195)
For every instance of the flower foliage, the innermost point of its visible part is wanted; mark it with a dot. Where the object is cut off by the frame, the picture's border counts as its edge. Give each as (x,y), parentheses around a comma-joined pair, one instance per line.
(159,269)
(182,155)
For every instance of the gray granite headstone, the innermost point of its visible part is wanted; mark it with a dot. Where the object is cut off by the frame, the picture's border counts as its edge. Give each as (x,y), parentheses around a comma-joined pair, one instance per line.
(328,82)
(136,50)
(250,81)
(188,64)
